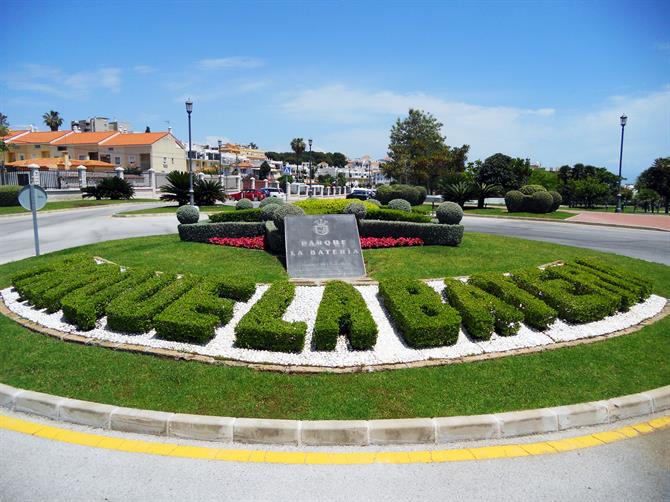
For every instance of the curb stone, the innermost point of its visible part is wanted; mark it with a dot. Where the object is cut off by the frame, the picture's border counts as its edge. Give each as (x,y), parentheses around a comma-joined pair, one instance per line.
(336,432)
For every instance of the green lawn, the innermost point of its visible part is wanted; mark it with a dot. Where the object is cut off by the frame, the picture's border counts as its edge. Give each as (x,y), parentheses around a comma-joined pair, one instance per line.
(173,209)
(73,204)
(622,365)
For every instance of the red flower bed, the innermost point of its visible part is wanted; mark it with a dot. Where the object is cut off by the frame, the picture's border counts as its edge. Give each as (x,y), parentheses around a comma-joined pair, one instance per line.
(240,242)
(389,242)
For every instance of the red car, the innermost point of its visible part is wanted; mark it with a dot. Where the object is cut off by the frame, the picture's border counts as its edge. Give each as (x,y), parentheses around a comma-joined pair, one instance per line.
(249,193)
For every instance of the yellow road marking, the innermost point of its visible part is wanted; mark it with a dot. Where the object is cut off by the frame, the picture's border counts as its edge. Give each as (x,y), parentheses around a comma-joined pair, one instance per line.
(315,457)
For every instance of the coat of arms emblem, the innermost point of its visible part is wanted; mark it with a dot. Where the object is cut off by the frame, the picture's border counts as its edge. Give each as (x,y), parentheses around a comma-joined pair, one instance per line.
(321,227)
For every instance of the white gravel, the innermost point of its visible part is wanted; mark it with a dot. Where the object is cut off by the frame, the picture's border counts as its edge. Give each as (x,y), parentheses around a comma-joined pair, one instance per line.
(390,347)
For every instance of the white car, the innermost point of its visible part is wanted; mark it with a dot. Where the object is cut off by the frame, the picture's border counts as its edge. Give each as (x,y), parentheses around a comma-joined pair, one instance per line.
(273,192)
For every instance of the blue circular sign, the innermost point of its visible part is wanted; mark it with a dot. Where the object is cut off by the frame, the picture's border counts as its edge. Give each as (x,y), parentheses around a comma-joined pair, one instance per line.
(40,196)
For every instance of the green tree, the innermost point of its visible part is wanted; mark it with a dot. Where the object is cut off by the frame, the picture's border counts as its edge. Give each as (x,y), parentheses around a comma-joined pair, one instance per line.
(264,171)
(590,191)
(647,199)
(4,131)
(341,180)
(504,171)
(3,121)
(253,146)
(547,179)
(52,120)
(657,177)
(284,179)
(298,147)
(338,159)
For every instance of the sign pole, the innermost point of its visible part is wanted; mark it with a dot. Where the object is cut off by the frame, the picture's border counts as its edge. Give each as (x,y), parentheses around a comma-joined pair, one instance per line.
(34,210)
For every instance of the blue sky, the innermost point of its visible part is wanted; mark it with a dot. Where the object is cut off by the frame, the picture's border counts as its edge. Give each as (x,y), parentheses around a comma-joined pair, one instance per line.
(545,80)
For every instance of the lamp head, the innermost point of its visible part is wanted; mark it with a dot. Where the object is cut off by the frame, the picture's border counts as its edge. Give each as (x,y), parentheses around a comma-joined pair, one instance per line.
(310,142)
(624,119)
(189,106)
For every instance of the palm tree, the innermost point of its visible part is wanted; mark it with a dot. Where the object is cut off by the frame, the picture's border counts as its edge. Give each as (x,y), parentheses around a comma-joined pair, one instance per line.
(53,120)
(459,192)
(3,120)
(484,190)
(298,146)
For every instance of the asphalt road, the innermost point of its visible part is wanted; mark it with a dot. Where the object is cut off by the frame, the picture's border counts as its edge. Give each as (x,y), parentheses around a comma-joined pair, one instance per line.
(36,469)
(60,230)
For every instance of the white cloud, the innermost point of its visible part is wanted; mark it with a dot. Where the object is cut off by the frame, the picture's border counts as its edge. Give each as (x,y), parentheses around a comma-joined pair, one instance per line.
(361,120)
(228,63)
(143,69)
(56,82)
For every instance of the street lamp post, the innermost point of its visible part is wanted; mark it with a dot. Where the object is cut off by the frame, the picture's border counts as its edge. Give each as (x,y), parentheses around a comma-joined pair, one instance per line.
(623,119)
(309,141)
(370,173)
(220,160)
(189,109)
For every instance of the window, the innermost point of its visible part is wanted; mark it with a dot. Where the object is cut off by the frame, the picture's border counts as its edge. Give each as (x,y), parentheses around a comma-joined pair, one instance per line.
(82,157)
(110,149)
(131,159)
(117,161)
(22,157)
(38,146)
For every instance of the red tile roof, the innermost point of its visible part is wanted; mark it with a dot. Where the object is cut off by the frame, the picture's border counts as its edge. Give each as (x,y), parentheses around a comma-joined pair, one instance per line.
(11,134)
(40,137)
(84,138)
(134,139)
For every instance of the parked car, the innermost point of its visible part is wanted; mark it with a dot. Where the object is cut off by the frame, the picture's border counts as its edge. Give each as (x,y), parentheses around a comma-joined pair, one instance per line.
(360,194)
(272,192)
(249,193)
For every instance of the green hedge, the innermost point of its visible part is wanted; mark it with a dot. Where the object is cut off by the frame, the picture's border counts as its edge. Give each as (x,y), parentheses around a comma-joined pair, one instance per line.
(395,215)
(202,232)
(432,234)
(482,313)
(583,278)
(418,313)
(84,306)
(343,311)
(274,239)
(573,303)
(9,195)
(193,318)
(240,215)
(415,195)
(262,328)
(615,275)
(134,310)
(536,313)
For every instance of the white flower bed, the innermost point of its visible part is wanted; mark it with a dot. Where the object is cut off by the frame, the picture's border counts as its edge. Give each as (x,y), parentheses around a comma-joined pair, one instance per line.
(388,350)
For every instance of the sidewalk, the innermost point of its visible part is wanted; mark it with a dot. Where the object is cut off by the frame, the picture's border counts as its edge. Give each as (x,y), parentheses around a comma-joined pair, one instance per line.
(657,221)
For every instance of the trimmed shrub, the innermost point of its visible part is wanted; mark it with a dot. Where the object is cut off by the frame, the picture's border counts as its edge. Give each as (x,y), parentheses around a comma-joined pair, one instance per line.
(481,312)
(35,277)
(9,195)
(536,313)
(330,206)
(449,213)
(583,278)
(617,275)
(358,209)
(414,195)
(531,189)
(393,215)
(202,232)
(244,203)
(343,311)
(262,328)
(285,211)
(432,234)
(419,314)
(573,303)
(271,200)
(540,202)
(514,200)
(253,214)
(193,318)
(134,310)
(556,200)
(188,214)
(268,211)
(375,202)
(84,306)
(274,239)
(400,205)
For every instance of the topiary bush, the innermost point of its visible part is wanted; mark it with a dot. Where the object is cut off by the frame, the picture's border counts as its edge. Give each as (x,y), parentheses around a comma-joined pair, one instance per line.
(432,234)
(9,195)
(400,205)
(330,206)
(271,200)
(414,195)
(202,232)
(283,212)
(188,214)
(375,202)
(268,211)
(557,200)
(343,311)
(253,214)
(393,215)
(358,209)
(540,202)
(616,275)
(531,189)
(449,213)
(514,200)
(244,203)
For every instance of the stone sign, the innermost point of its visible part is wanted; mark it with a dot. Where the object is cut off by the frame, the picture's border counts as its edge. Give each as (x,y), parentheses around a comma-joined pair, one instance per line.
(325,246)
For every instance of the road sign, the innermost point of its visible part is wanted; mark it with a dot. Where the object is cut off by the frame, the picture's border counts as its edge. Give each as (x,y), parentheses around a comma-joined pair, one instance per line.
(33,198)
(40,197)
(287,170)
